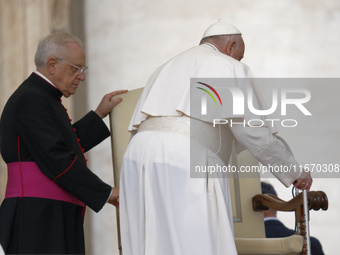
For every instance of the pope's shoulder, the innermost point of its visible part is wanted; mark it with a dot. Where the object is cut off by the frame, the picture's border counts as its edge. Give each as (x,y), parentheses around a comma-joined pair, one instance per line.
(216,59)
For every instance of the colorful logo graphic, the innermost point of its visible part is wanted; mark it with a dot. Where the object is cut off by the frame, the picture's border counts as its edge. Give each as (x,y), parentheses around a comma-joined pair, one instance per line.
(209,93)
(204,98)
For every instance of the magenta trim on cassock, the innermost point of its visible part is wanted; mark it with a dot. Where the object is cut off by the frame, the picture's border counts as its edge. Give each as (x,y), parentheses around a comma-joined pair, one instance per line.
(34,184)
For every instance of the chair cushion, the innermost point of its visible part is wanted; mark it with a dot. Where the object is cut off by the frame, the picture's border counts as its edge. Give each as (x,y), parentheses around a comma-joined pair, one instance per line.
(273,246)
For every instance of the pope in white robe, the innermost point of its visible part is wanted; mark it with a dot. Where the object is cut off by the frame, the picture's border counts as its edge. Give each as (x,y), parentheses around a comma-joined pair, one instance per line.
(163,211)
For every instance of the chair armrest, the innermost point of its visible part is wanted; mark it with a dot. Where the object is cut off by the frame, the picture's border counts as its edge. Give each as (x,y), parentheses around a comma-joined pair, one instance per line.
(316,200)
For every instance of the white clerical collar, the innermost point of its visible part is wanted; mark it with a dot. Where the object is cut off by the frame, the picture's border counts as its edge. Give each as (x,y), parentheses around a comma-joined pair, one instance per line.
(270,218)
(44,77)
(211,45)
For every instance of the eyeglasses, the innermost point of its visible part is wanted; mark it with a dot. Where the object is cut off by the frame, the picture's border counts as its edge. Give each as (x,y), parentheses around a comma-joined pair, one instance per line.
(80,69)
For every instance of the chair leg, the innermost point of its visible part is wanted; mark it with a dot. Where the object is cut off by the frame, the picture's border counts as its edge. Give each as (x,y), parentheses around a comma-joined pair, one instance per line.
(301,221)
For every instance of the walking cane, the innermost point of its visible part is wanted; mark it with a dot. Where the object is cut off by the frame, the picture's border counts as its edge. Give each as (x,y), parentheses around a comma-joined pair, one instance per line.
(306,217)
(305,204)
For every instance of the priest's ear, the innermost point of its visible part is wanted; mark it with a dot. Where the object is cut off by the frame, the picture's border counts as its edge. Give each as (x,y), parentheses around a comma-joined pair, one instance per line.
(230,47)
(51,65)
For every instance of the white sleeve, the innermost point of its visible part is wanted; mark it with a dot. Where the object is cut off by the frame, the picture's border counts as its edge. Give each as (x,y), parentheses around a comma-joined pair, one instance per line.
(268,150)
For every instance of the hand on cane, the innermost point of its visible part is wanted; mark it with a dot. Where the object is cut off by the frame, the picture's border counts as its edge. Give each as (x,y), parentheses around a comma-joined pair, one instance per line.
(304,182)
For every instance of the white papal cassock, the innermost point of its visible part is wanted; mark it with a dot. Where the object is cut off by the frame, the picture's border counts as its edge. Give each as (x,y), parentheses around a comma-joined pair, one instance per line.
(162,210)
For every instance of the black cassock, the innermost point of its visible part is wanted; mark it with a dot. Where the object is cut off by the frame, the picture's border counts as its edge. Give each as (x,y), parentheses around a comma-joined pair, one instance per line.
(35,127)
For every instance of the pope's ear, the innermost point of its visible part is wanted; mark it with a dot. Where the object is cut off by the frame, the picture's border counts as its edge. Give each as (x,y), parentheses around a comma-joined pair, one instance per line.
(51,65)
(230,47)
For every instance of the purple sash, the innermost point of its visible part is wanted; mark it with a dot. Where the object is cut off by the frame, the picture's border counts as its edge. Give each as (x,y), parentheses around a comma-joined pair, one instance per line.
(26,180)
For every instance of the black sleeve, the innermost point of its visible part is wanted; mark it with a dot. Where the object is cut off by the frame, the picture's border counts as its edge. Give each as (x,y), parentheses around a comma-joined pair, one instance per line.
(91,130)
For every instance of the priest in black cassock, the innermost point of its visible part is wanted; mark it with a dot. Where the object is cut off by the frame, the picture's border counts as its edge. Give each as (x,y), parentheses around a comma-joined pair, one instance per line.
(49,183)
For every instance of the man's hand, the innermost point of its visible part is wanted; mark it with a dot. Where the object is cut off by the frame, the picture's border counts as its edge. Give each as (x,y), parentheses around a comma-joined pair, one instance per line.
(114,197)
(304,182)
(106,105)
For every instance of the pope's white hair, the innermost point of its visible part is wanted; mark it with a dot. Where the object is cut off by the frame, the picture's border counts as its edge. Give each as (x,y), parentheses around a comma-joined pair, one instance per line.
(222,40)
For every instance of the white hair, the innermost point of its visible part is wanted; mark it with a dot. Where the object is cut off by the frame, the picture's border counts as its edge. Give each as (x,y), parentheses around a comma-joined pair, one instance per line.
(222,39)
(53,45)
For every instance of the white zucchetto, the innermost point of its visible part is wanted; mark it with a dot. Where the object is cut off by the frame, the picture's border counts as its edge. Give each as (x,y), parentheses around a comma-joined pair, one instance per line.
(221,28)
